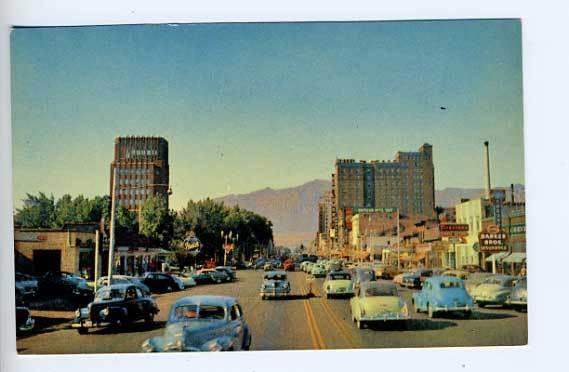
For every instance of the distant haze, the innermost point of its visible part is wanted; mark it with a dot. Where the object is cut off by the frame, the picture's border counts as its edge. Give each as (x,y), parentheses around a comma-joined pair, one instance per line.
(294,210)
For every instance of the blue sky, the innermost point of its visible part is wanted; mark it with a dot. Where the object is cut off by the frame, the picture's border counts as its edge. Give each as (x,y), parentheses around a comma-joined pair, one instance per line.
(248,106)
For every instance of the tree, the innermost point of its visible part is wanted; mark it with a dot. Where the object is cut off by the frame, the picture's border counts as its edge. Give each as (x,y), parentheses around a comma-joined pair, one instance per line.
(156,221)
(38,211)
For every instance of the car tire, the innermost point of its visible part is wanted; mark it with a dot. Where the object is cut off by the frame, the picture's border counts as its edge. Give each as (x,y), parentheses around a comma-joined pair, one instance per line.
(82,330)
(430,311)
(359,324)
(247,346)
(149,318)
(218,281)
(468,314)
(415,307)
(481,304)
(327,296)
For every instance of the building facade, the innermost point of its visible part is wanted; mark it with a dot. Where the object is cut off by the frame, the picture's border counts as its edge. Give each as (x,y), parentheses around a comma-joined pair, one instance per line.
(407,183)
(470,212)
(142,170)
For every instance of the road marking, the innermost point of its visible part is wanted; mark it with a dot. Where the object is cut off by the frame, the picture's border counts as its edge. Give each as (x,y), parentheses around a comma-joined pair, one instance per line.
(317,340)
(339,325)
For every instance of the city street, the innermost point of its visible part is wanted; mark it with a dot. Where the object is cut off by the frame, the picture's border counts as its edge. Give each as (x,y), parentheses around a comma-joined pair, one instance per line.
(300,322)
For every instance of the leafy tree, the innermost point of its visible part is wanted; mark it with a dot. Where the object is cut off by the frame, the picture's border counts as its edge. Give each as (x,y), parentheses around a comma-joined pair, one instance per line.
(156,221)
(37,211)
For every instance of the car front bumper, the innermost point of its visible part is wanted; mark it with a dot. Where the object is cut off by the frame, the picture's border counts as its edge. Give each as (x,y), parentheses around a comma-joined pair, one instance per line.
(339,291)
(28,325)
(274,293)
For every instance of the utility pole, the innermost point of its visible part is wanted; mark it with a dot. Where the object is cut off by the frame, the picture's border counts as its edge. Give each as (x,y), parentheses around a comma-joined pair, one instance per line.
(96,271)
(398,248)
(112,227)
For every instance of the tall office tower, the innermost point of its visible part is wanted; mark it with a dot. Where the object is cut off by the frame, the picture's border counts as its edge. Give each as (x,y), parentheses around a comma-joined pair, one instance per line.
(142,170)
(324,213)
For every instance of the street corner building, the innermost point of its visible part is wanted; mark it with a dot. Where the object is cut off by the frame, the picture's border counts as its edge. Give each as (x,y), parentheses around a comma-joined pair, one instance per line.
(142,170)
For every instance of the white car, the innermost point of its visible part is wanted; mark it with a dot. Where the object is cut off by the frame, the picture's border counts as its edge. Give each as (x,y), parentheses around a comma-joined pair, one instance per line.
(187,281)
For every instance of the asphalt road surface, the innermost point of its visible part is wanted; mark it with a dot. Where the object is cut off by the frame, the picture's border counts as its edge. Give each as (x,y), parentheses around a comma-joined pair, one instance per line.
(300,322)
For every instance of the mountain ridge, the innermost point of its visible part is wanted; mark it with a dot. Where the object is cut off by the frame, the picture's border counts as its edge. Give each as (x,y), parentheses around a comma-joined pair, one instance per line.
(294,210)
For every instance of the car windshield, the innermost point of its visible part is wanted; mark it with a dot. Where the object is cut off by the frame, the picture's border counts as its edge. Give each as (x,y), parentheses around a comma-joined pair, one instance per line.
(341,276)
(451,284)
(275,277)
(381,290)
(366,276)
(199,312)
(110,294)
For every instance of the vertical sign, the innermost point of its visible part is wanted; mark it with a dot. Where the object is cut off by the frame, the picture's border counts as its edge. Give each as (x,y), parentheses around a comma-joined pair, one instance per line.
(498,196)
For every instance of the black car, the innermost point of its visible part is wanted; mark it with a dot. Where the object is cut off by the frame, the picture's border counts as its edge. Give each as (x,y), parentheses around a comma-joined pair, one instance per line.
(61,283)
(24,320)
(210,276)
(416,279)
(161,282)
(117,304)
(226,269)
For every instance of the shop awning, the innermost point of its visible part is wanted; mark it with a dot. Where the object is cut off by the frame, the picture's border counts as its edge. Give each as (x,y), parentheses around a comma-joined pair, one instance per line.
(498,256)
(515,257)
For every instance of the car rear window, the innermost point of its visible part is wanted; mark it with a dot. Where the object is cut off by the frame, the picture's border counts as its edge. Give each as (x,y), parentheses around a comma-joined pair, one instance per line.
(105,294)
(343,276)
(451,285)
(384,290)
(275,277)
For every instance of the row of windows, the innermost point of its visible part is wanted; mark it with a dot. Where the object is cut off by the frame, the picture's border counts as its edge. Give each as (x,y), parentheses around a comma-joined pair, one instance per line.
(144,152)
(137,181)
(133,192)
(134,171)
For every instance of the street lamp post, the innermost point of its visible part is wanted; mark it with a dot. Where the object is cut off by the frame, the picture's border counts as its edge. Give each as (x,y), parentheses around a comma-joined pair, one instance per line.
(225,247)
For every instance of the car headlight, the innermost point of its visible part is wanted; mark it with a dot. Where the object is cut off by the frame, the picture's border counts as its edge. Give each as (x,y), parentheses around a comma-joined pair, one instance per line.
(212,346)
(404,310)
(78,313)
(104,313)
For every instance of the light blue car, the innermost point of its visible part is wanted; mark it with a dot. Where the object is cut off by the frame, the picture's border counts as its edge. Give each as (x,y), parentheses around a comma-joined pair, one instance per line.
(443,294)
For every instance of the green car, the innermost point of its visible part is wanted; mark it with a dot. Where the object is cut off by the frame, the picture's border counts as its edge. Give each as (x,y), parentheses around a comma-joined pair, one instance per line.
(338,283)
(318,271)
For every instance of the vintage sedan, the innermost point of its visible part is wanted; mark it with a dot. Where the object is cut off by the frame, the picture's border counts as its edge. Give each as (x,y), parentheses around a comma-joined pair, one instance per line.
(24,320)
(494,290)
(275,284)
(474,280)
(519,297)
(443,294)
(124,279)
(203,323)
(362,275)
(61,283)
(318,271)
(186,280)
(27,284)
(416,279)
(161,282)
(116,304)
(461,274)
(377,302)
(338,283)
(209,276)
(229,271)
(268,266)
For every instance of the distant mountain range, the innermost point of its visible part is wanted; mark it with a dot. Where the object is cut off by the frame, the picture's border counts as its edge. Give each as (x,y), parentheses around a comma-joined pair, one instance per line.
(294,210)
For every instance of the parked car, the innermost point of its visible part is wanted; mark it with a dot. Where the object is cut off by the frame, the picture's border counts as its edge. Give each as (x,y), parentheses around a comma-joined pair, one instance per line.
(27,284)
(275,284)
(518,299)
(474,280)
(338,283)
(161,282)
(461,274)
(231,275)
(210,276)
(123,279)
(61,283)
(259,264)
(308,267)
(116,304)
(389,272)
(472,268)
(377,301)
(438,271)
(494,290)
(288,265)
(203,323)
(186,279)
(443,294)
(24,320)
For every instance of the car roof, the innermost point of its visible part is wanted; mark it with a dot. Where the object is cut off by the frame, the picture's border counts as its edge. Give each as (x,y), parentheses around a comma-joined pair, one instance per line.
(118,286)
(378,283)
(205,300)
(443,279)
(276,272)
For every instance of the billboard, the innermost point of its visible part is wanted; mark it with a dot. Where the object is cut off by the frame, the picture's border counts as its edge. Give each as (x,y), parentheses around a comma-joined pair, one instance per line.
(453,229)
(493,241)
